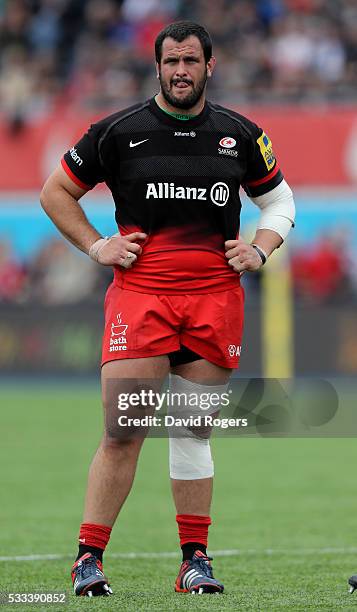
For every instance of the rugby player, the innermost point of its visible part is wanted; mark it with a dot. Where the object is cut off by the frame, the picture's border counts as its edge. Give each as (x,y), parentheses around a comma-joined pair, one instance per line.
(174,165)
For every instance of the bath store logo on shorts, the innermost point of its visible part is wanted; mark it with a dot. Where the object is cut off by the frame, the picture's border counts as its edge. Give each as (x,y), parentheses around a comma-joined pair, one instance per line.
(118,340)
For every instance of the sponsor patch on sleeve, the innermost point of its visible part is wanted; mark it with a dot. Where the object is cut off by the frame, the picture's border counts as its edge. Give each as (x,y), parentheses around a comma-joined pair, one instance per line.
(266,149)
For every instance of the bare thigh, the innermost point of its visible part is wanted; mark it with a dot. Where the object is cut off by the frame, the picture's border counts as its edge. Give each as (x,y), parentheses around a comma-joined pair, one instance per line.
(203,372)
(124,379)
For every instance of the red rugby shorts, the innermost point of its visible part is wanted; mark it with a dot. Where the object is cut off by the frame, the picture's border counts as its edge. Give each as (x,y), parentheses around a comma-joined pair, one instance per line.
(146,325)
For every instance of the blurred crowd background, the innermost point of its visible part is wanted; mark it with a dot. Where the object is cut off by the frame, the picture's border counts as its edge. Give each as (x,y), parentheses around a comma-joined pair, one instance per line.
(99,53)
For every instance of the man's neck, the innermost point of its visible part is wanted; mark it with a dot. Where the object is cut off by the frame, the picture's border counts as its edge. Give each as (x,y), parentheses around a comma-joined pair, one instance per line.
(173,110)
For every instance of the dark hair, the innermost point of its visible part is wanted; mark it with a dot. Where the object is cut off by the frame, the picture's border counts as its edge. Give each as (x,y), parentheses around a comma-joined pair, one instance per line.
(181,30)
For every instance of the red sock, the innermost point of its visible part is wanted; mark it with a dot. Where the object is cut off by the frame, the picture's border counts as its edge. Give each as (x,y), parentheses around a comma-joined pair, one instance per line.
(94,535)
(193,528)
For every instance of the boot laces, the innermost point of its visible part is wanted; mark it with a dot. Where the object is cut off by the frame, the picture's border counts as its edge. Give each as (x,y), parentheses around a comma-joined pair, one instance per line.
(204,566)
(87,567)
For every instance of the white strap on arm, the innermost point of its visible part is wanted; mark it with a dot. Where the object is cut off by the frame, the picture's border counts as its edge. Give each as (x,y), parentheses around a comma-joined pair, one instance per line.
(97,247)
(277,209)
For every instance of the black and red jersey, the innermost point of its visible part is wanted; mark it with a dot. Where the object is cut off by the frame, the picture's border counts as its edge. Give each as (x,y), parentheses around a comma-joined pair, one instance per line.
(179,182)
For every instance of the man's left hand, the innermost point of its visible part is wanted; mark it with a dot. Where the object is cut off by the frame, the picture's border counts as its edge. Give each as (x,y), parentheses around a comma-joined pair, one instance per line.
(242,256)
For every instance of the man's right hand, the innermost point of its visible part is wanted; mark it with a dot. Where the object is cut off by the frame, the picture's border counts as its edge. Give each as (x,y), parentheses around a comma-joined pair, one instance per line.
(120,250)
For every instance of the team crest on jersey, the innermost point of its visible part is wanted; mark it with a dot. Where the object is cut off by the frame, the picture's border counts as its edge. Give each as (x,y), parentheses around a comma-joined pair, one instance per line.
(266,149)
(118,340)
(227,142)
(226,146)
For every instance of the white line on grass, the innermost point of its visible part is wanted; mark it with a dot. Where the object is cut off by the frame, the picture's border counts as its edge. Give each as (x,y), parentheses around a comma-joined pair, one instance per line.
(215,553)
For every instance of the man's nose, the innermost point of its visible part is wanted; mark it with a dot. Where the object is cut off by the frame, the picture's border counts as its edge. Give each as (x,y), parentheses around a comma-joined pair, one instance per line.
(181,68)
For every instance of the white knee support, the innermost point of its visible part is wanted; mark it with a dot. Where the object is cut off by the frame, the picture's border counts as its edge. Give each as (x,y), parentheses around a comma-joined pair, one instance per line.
(190,459)
(190,454)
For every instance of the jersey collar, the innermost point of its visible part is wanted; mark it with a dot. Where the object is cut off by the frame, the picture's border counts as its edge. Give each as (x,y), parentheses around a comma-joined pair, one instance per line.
(173,122)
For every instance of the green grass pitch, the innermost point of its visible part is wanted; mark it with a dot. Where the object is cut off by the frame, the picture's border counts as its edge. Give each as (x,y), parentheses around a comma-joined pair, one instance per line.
(288,505)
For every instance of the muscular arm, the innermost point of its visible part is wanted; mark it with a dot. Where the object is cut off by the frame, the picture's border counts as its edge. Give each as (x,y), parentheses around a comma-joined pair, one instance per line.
(277,217)
(59,199)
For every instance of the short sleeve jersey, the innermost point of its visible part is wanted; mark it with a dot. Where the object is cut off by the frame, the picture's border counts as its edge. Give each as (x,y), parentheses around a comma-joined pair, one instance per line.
(178,181)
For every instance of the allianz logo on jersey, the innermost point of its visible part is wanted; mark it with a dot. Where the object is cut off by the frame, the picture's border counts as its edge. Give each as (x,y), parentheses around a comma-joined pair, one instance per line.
(218,194)
(192,134)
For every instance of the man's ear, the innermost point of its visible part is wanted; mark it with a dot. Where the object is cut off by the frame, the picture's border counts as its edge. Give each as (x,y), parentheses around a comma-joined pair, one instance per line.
(157,70)
(210,66)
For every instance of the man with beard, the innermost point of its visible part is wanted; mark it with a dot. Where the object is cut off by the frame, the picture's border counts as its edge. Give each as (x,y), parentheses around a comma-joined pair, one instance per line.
(174,165)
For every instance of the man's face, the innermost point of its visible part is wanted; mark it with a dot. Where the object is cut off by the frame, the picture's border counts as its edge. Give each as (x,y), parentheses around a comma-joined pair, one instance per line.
(183,72)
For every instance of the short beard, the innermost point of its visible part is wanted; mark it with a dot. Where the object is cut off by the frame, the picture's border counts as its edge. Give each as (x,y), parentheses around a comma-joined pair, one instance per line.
(191,100)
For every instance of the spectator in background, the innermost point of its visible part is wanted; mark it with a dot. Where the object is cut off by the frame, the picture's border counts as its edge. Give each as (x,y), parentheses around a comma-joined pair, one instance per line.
(103,71)
(16,87)
(291,53)
(59,275)
(139,11)
(28,82)
(15,26)
(351,54)
(321,273)
(16,80)
(45,27)
(329,55)
(12,275)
